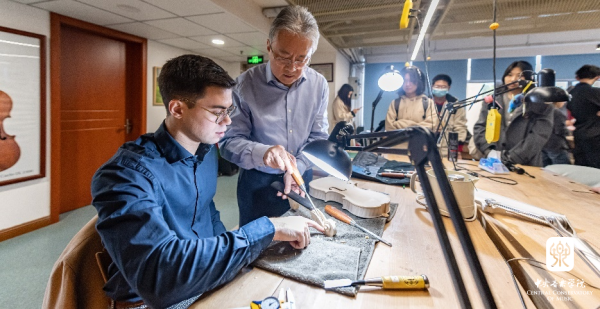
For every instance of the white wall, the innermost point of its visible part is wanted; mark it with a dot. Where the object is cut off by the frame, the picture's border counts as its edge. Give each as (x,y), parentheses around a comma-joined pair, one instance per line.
(326,53)
(158,54)
(30,200)
(27,201)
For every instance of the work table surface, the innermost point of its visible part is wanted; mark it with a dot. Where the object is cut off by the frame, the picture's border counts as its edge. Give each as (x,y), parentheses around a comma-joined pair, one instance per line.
(416,250)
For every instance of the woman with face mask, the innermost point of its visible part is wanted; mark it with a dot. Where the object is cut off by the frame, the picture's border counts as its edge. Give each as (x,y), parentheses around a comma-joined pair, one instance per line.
(523,131)
(457,122)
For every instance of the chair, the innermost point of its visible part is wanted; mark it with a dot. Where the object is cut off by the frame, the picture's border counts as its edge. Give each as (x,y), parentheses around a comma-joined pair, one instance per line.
(76,280)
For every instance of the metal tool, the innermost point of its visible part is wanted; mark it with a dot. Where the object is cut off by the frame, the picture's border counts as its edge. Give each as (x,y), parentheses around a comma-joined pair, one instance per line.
(300,181)
(387,283)
(338,214)
(316,214)
(393,175)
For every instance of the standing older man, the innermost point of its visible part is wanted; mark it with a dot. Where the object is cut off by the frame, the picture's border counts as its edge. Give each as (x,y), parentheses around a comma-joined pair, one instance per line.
(282,107)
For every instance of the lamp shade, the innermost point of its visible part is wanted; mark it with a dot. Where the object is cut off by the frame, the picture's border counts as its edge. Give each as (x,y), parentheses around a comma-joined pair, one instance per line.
(547,95)
(329,157)
(390,80)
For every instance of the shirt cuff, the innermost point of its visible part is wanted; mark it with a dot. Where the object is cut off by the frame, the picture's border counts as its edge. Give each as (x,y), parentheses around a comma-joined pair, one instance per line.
(258,154)
(260,232)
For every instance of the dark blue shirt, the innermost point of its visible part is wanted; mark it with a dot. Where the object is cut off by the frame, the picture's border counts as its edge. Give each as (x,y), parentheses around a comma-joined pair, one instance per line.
(158,222)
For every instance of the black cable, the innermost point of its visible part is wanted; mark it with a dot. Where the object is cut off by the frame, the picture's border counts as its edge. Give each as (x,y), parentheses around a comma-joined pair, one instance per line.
(498,179)
(494,61)
(427,75)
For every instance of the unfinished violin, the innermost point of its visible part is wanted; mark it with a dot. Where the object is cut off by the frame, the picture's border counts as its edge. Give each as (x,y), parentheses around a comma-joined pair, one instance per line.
(360,202)
(10,152)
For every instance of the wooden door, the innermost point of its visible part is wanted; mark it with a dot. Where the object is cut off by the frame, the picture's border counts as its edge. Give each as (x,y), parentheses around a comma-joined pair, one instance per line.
(92,111)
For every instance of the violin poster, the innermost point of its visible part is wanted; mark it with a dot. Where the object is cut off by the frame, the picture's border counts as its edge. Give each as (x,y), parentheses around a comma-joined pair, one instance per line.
(22,106)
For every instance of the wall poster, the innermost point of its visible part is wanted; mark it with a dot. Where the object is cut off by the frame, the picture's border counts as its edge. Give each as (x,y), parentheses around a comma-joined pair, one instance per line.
(22,106)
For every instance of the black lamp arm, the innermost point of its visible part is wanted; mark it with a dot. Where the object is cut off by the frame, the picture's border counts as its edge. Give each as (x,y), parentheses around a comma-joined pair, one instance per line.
(422,149)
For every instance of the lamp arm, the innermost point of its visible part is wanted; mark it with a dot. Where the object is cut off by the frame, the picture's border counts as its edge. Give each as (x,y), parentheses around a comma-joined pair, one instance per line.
(377,99)
(423,149)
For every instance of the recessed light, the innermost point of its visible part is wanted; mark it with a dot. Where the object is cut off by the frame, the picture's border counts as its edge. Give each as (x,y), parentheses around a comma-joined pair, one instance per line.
(128,8)
(218,42)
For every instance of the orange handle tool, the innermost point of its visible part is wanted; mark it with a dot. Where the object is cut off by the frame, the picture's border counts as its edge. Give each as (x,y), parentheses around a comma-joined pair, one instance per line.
(297,177)
(392,175)
(338,214)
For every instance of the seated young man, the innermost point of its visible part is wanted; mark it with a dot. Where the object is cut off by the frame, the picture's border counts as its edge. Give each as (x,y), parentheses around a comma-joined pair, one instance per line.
(154,198)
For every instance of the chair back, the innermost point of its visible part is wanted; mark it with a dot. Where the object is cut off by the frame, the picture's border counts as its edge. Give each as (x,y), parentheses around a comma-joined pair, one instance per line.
(76,280)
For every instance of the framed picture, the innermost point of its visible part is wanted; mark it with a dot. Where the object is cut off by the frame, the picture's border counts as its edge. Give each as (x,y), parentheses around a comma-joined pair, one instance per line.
(326,69)
(22,106)
(157,99)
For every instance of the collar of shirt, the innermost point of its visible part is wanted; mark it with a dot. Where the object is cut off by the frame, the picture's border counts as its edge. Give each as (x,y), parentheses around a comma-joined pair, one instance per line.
(273,81)
(173,151)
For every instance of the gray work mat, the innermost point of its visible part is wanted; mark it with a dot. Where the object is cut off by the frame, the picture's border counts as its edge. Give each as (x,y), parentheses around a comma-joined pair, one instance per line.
(344,256)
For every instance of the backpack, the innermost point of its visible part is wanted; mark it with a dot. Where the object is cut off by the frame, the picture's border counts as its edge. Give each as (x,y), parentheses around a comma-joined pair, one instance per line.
(425,105)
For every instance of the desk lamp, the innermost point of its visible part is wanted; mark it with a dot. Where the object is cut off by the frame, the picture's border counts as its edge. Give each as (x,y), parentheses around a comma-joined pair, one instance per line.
(331,157)
(390,80)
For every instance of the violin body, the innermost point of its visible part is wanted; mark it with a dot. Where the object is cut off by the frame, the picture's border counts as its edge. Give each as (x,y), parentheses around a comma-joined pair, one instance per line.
(10,152)
(360,202)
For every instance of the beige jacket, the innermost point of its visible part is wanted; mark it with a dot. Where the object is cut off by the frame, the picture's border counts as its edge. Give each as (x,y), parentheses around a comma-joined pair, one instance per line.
(76,280)
(339,112)
(410,113)
(458,124)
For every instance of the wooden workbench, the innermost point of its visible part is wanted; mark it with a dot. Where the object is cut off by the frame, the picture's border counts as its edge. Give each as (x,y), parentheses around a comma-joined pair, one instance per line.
(416,251)
(516,238)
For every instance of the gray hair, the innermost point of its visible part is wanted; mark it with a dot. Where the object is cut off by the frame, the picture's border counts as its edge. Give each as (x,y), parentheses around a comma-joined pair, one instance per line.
(297,20)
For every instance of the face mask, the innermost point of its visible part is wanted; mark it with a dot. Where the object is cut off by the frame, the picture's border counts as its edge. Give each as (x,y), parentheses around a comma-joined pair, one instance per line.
(439,92)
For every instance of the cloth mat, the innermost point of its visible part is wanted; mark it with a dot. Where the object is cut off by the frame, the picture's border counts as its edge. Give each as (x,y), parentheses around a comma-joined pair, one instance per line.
(344,256)
(366,165)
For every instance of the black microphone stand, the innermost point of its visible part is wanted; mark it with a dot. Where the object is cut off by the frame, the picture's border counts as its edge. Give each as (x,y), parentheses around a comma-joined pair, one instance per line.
(451,108)
(377,99)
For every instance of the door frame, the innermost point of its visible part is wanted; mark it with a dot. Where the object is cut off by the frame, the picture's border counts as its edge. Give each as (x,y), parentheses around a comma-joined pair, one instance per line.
(136,62)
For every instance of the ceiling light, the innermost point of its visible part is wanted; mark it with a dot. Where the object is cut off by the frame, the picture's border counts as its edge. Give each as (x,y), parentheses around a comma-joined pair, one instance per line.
(426,23)
(218,42)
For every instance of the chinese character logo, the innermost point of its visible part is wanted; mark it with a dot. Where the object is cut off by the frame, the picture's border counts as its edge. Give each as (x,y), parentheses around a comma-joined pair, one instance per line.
(560,253)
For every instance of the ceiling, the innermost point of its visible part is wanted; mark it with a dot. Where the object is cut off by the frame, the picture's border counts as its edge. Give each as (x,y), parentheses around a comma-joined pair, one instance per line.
(185,24)
(354,27)
(361,27)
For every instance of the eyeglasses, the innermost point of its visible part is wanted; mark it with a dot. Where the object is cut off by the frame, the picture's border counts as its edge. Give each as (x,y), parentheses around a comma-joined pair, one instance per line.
(288,62)
(220,116)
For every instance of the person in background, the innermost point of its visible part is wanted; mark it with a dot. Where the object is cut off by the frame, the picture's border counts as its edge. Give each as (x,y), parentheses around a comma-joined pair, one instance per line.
(522,136)
(341,109)
(556,149)
(458,122)
(585,108)
(283,107)
(412,107)
(154,197)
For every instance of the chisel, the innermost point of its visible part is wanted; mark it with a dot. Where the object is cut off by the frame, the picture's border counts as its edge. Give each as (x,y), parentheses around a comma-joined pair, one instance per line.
(387,283)
(300,181)
(338,214)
